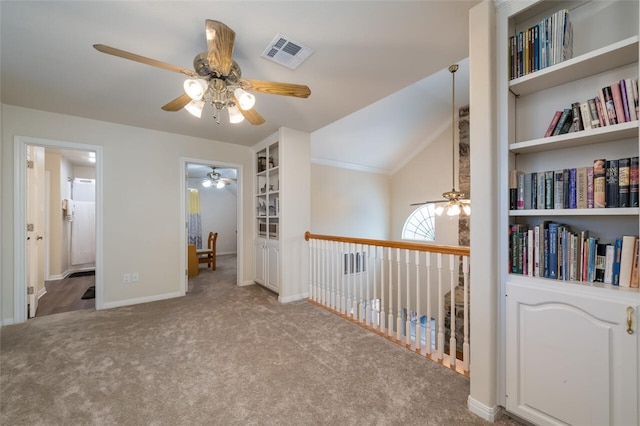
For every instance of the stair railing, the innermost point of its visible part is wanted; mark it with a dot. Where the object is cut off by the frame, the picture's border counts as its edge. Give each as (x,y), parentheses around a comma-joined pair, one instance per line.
(414,294)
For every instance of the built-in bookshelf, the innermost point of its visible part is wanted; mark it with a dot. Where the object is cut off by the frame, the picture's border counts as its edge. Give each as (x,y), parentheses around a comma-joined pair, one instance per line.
(268,195)
(562,301)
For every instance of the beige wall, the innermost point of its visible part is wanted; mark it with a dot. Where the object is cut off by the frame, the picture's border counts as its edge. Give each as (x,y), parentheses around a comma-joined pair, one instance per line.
(56,220)
(142,187)
(349,203)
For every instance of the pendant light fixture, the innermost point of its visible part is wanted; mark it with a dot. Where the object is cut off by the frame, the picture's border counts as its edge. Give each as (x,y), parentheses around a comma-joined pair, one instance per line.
(455,202)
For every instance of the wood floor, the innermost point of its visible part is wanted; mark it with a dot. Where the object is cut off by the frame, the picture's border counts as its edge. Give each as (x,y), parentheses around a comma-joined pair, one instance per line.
(66,295)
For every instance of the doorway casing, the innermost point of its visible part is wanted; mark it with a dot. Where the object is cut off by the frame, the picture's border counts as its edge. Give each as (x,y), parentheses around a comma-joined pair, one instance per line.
(183,215)
(20,218)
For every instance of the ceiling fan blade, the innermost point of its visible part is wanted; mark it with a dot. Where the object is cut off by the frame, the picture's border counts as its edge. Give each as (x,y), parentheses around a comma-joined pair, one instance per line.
(252,116)
(178,103)
(143,60)
(273,88)
(429,202)
(220,39)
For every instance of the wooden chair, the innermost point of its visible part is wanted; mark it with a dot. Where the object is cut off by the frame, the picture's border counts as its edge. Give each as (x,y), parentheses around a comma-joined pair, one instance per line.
(208,255)
(193,265)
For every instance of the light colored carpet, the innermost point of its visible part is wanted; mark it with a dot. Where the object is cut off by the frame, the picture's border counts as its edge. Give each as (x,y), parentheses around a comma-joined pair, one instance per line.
(222,355)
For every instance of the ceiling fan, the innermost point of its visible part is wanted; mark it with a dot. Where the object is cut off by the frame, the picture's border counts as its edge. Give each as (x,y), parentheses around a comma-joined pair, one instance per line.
(216,79)
(454,201)
(215,179)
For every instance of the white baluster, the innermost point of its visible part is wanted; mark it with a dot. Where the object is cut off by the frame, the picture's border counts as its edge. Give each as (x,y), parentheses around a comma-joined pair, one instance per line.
(465,344)
(323,271)
(383,317)
(428,341)
(452,322)
(343,300)
(374,262)
(358,277)
(407,323)
(367,302)
(440,344)
(330,260)
(399,297)
(417,342)
(313,270)
(390,322)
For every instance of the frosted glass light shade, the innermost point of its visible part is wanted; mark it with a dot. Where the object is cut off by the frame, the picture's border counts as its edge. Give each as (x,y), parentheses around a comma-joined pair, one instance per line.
(454,210)
(195,88)
(235,116)
(195,108)
(207,183)
(245,99)
(220,184)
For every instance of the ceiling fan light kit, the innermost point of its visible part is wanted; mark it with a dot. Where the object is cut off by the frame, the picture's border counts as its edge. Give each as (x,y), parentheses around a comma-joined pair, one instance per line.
(216,79)
(455,202)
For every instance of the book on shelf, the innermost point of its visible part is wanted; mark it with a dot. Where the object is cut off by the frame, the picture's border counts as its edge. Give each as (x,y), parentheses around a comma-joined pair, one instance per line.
(634,180)
(564,123)
(617,253)
(544,44)
(553,123)
(629,84)
(572,188)
(541,190)
(520,200)
(548,189)
(599,183)
(600,262)
(612,116)
(602,109)
(608,269)
(581,188)
(593,112)
(625,102)
(611,188)
(553,251)
(626,259)
(534,190)
(636,102)
(617,102)
(576,113)
(592,244)
(513,189)
(624,165)
(536,250)
(527,191)
(634,267)
(530,252)
(585,115)
(590,204)
(558,189)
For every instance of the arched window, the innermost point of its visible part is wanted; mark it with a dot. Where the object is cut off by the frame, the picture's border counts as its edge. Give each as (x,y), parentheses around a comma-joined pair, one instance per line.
(421,224)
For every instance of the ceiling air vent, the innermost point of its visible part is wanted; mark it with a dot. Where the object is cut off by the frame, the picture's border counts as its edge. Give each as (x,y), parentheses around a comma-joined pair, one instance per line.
(286,51)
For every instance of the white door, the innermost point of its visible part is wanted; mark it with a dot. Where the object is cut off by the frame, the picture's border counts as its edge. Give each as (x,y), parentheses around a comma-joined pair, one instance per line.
(571,357)
(260,262)
(35,226)
(273,266)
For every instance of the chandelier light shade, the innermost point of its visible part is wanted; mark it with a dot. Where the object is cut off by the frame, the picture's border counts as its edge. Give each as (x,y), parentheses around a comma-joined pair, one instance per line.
(245,99)
(195,108)
(454,202)
(195,88)
(235,116)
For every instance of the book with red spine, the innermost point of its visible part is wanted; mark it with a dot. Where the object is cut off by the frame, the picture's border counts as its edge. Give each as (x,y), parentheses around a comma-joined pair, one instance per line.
(553,124)
(617,102)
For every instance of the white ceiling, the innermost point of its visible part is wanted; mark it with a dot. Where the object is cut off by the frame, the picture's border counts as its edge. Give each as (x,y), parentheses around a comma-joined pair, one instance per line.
(364,51)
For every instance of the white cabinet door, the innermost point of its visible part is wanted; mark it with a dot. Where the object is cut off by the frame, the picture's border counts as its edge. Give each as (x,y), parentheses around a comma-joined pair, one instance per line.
(570,358)
(273,267)
(260,262)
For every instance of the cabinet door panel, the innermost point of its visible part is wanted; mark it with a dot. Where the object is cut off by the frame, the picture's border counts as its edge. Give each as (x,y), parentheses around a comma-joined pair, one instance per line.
(570,359)
(259,266)
(274,268)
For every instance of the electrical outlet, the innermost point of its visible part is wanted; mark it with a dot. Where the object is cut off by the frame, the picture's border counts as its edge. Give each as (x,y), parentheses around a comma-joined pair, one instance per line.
(135,277)
(126,278)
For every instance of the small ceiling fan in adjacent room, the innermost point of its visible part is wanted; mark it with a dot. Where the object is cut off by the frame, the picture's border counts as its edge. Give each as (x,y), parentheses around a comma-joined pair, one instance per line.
(215,179)
(216,79)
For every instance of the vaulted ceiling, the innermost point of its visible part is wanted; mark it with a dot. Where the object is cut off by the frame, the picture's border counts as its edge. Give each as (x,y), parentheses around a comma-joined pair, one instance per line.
(367,54)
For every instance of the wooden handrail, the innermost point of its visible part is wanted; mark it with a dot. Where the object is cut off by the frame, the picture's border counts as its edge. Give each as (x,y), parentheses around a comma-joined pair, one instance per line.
(434,248)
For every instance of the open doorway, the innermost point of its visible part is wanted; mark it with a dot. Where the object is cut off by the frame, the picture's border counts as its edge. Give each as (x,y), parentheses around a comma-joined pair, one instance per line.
(212,206)
(58,218)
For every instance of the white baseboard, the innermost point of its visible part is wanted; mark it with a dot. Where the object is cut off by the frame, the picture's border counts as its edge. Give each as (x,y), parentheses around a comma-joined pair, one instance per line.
(7,321)
(293,298)
(489,414)
(247,282)
(56,277)
(137,301)
(41,292)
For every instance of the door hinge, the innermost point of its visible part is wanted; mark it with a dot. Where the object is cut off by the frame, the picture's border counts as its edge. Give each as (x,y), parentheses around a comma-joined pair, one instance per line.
(186,272)
(30,290)
(30,164)
(30,227)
